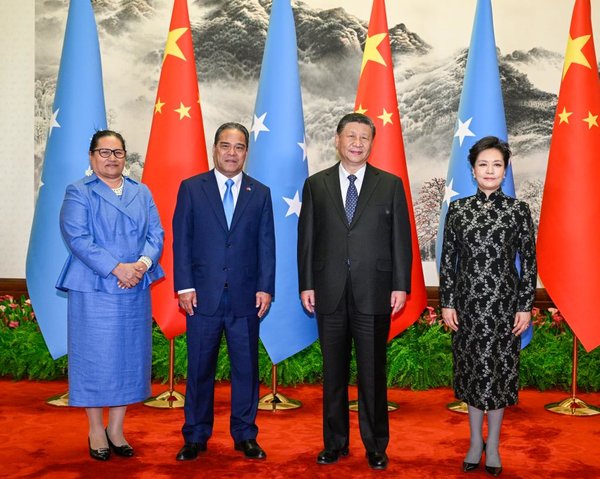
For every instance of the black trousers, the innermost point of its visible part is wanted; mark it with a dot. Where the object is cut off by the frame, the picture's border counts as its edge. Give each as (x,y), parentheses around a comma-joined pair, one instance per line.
(369,332)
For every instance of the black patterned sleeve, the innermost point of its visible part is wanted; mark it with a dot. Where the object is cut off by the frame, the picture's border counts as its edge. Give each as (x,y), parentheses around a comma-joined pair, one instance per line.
(449,260)
(528,280)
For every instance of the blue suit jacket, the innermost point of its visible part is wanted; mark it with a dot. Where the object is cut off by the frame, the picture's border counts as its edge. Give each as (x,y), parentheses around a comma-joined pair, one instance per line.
(102,230)
(207,254)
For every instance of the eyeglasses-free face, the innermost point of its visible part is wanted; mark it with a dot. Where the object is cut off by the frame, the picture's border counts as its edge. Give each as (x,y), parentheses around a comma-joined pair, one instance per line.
(230,152)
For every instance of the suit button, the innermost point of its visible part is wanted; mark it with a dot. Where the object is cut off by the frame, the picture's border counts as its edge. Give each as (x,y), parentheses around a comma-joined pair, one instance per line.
(228,245)
(225,268)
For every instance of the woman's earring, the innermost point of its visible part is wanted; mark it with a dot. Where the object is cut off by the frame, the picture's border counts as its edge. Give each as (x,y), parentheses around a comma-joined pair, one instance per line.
(89,171)
(126,171)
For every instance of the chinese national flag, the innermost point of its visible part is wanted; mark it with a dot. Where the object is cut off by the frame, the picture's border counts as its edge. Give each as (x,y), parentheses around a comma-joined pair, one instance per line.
(376,98)
(569,233)
(176,150)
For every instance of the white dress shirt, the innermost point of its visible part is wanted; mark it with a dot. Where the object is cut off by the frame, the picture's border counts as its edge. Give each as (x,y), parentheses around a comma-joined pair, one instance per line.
(235,188)
(344,182)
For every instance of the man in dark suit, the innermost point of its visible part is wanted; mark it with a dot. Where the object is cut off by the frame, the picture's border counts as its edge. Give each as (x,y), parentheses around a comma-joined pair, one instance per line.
(224,262)
(354,262)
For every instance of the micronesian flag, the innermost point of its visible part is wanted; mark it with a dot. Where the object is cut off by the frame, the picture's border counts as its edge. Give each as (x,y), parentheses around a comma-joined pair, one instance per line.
(277,158)
(78,111)
(480,114)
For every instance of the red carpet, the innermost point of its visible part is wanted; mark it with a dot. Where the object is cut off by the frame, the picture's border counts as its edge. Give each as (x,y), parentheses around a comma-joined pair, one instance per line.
(427,441)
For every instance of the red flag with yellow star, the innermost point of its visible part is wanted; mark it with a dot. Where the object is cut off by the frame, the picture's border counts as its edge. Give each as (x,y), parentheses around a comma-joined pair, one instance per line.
(176,150)
(569,233)
(376,98)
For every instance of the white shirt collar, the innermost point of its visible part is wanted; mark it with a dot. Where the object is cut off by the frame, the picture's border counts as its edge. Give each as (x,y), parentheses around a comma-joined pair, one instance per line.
(221,179)
(360,174)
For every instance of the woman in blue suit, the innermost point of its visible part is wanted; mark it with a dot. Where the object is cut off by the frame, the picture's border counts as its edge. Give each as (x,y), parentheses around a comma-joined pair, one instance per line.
(112,229)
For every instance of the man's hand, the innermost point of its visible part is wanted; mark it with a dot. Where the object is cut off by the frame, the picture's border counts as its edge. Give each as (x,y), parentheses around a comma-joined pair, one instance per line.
(188,302)
(127,275)
(450,318)
(522,319)
(263,301)
(308,300)
(397,301)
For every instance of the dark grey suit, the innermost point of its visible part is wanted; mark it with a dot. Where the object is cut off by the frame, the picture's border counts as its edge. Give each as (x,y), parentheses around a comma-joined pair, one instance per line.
(353,270)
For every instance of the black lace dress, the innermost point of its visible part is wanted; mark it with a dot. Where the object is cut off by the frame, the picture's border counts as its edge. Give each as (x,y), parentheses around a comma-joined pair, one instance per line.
(479,278)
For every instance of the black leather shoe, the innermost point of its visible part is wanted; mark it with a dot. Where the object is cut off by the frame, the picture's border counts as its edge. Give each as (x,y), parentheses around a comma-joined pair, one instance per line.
(190,451)
(471,466)
(102,454)
(251,449)
(377,460)
(124,451)
(494,471)
(331,456)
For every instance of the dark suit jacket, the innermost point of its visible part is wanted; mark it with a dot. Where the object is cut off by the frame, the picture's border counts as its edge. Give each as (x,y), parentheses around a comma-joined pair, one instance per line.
(207,255)
(375,249)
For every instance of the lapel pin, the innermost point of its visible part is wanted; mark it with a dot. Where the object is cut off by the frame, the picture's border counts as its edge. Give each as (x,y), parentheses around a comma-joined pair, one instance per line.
(248,188)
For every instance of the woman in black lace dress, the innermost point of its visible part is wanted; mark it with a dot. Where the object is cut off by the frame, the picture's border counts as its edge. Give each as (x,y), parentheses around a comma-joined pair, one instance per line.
(485,300)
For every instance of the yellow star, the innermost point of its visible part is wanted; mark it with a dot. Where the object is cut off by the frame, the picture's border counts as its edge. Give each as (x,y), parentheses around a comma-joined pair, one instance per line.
(371,53)
(564,116)
(158,106)
(360,109)
(574,53)
(386,117)
(183,111)
(591,120)
(171,48)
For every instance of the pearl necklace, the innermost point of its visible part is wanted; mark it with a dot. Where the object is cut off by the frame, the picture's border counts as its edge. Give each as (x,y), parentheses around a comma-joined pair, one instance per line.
(119,189)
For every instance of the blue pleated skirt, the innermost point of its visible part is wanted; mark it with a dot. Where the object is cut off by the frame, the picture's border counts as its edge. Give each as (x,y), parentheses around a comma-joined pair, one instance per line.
(110,348)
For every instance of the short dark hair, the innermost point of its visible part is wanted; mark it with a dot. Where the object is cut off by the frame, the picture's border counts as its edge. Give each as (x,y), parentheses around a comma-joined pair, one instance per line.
(101,134)
(232,125)
(355,118)
(487,143)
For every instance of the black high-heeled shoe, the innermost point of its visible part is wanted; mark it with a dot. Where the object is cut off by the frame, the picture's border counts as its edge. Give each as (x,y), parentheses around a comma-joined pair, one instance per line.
(494,471)
(102,454)
(470,466)
(124,451)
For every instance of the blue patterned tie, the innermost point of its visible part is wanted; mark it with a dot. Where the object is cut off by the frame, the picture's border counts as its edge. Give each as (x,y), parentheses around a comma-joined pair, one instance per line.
(228,202)
(351,198)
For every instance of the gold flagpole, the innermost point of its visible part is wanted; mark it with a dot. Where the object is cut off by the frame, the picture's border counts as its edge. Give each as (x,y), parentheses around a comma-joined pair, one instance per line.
(275,401)
(573,406)
(169,398)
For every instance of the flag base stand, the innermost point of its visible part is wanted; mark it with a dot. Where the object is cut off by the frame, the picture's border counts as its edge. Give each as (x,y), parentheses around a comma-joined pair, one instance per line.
(275,401)
(353,406)
(167,399)
(458,406)
(573,406)
(60,400)
(170,399)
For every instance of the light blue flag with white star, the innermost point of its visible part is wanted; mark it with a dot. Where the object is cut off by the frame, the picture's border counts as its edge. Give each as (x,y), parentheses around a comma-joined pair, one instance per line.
(277,158)
(78,112)
(480,114)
